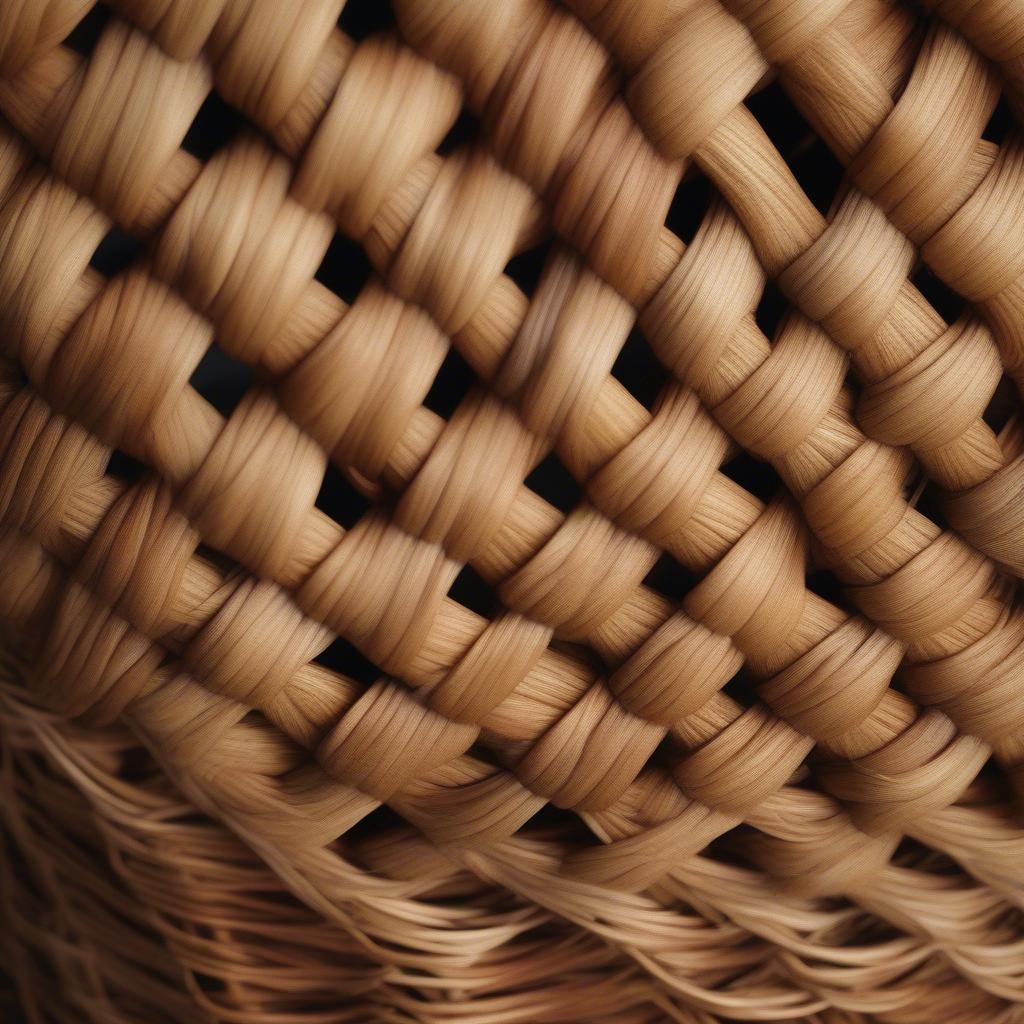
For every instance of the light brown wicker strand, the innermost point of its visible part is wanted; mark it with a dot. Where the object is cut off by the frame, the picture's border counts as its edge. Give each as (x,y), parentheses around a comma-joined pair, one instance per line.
(994,27)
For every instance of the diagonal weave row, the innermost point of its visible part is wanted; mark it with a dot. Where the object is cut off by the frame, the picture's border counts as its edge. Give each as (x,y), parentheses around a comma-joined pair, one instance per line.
(133,618)
(262,536)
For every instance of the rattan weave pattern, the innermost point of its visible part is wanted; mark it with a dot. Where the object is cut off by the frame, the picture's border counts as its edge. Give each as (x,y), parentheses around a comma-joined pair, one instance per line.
(841,842)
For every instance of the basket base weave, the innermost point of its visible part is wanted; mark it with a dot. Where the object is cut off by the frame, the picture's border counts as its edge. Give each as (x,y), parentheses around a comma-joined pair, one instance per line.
(124,904)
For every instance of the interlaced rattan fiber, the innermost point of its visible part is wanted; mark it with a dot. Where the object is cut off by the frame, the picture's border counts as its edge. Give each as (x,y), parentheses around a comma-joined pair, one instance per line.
(321,705)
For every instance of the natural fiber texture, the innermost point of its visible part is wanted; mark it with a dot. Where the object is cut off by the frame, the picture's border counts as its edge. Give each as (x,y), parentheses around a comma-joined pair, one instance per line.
(593,795)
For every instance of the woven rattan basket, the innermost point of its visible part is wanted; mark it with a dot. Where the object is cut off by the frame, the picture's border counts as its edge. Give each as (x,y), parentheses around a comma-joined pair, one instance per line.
(511,511)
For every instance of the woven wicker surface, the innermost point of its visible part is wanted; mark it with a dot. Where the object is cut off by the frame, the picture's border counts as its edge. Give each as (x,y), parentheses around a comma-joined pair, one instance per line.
(323,701)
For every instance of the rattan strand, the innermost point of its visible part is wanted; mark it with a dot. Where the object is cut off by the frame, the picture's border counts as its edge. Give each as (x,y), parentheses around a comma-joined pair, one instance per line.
(133,620)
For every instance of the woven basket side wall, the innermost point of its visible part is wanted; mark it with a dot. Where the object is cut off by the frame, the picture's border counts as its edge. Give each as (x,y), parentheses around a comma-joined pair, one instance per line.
(668,837)
(281,795)
(705,332)
(887,710)
(85,808)
(905,108)
(217,668)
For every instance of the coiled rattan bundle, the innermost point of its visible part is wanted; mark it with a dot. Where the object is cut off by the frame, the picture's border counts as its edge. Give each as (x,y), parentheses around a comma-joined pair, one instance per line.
(599,600)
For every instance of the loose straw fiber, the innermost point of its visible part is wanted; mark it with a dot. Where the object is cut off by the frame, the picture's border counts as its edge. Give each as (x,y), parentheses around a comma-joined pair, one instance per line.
(599,601)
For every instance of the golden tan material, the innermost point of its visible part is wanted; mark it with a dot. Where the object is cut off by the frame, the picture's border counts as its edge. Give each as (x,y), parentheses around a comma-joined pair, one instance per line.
(790,791)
